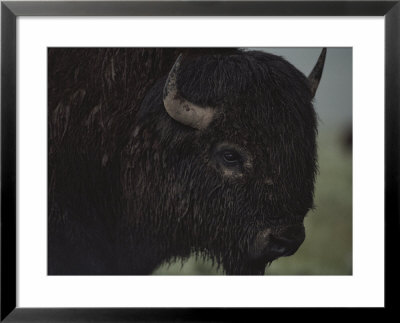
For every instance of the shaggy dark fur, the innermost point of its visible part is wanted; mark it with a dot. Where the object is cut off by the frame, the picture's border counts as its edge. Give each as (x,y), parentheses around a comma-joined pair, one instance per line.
(131,188)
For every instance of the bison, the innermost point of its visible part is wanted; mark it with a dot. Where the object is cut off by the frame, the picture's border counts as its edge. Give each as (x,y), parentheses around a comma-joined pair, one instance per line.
(158,154)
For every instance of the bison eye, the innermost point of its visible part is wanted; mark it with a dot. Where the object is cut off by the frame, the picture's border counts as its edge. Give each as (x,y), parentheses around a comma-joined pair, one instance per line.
(231,157)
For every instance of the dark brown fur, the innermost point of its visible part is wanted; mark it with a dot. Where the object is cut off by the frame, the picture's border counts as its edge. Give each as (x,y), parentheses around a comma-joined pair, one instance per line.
(131,188)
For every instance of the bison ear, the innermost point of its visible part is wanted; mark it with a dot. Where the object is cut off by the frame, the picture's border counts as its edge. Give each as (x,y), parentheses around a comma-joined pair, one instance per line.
(316,73)
(179,108)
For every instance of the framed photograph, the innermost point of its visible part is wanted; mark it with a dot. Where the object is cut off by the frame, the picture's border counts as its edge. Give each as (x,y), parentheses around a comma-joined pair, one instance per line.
(177,160)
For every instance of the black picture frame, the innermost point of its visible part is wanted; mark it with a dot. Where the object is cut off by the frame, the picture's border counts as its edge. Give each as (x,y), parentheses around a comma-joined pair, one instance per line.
(11,10)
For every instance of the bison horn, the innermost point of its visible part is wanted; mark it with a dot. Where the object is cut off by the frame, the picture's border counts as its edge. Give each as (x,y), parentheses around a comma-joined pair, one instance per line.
(179,108)
(316,73)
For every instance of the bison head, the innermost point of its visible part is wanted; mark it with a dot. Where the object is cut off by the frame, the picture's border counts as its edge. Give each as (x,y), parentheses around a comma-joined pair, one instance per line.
(222,161)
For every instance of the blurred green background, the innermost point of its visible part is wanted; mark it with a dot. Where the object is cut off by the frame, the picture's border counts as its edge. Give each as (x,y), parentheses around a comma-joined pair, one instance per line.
(327,249)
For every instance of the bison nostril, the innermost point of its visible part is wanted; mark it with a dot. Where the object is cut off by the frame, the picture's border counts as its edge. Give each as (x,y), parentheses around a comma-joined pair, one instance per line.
(284,242)
(282,247)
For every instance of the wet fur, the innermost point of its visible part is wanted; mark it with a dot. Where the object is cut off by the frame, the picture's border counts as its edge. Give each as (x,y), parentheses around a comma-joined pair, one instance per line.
(130,188)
